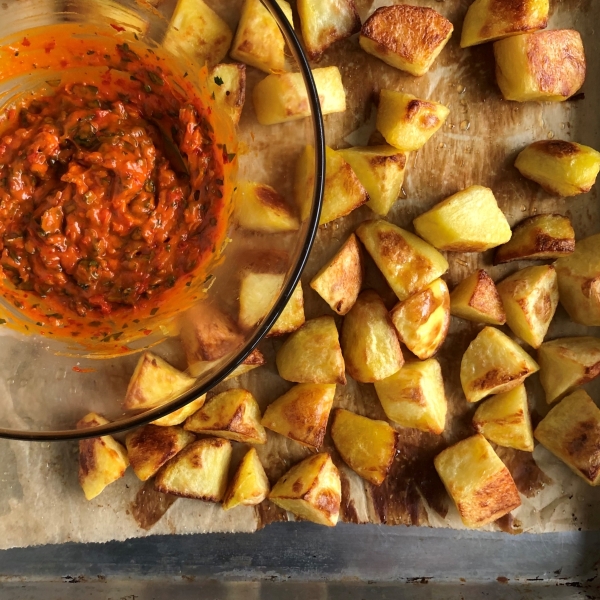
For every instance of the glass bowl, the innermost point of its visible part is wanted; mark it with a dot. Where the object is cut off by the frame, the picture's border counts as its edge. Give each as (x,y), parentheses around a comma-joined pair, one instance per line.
(50,380)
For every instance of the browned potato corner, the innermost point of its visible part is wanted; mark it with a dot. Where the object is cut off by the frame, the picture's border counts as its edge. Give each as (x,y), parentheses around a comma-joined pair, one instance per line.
(477,299)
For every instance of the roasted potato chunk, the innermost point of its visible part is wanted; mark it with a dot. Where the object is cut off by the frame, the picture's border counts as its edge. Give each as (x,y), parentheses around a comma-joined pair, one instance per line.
(102,460)
(258,292)
(150,447)
(199,471)
(579,281)
(343,190)
(324,22)
(407,37)
(279,98)
(369,342)
(493,364)
(311,490)
(422,320)
(546,66)
(154,382)
(301,414)
(538,237)
(177,417)
(198,31)
(259,207)
(258,40)
(312,354)
(249,485)
(490,20)
(415,397)
(567,363)
(380,169)
(339,281)
(367,446)
(233,415)
(477,299)
(504,419)
(530,298)
(407,122)
(477,480)
(407,262)
(571,431)
(252,361)
(468,221)
(228,83)
(292,316)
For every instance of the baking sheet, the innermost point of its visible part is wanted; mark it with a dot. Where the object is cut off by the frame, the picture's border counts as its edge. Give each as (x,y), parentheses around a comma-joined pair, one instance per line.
(40,499)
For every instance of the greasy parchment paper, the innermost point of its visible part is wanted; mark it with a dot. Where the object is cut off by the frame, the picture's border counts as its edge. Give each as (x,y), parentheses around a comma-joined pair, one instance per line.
(40,499)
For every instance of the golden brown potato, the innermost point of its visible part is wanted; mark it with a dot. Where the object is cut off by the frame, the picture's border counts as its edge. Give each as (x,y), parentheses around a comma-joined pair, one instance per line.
(369,342)
(493,364)
(477,480)
(324,22)
(367,446)
(422,320)
(259,207)
(150,447)
(530,298)
(561,168)
(312,354)
(567,363)
(154,382)
(504,419)
(579,281)
(468,221)
(489,20)
(199,471)
(196,30)
(538,237)
(301,414)
(339,281)
(407,122)
(102,460)
(233,415)
(258,293)
(546,66)
(177,417)
(407,37)
(252,361)
(477,299)
(571,431)
(407,262)
(249,485)
(258,40)
(415,397)
(228,83)
(292,317)
(279,98)
(343,190)
(311,490)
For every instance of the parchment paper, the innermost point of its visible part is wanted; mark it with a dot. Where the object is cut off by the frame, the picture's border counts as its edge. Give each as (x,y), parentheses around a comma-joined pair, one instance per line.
(40,499)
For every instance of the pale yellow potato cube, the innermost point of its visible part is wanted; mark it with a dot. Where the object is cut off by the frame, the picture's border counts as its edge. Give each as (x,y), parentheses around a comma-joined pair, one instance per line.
(301,414)
(369,342)
(407,37)
(492,364)
(477,299)
(504,420)
(279,98)
(490,20)
(422,320)
(477,480)
(380,169)
(177,417)
(228,84)
(311,490)
(571,431)
(530,298)
(468,221)
(292,317)
(561,168)
(407,122)
(415,397)
(339,281)
(250,485)
(548,66)
(407,262)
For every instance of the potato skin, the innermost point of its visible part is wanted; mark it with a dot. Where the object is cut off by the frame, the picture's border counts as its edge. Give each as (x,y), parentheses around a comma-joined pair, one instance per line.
(476,298)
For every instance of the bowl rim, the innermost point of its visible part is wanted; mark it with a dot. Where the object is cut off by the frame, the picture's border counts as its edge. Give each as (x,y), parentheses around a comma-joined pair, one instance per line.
(312,228)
